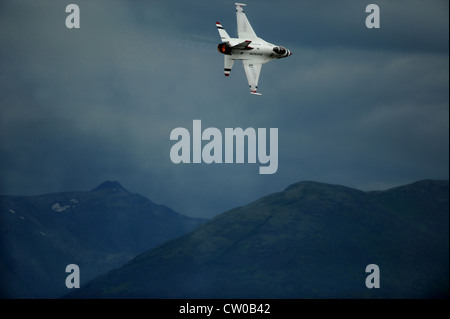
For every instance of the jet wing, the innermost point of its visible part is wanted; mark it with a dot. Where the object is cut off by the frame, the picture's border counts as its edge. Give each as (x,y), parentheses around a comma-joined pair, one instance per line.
(245,30)
(252,71)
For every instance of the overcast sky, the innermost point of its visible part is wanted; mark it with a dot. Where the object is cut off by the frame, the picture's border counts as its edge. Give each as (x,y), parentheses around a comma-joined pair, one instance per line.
(365,108)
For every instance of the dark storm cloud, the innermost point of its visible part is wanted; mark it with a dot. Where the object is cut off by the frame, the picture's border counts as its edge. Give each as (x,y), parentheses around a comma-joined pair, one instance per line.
(364,108)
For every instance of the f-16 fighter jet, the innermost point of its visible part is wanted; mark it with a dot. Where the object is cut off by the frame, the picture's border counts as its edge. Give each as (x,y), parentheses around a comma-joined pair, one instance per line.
(248,47)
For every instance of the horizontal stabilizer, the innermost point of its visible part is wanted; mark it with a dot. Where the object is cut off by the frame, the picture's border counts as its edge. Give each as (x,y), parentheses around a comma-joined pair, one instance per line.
(228,65)
(223,34)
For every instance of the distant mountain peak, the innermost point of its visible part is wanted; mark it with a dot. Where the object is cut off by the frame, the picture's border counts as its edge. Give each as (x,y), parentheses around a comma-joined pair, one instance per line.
(305,184)
(110,185)
(316,186)
(305,239)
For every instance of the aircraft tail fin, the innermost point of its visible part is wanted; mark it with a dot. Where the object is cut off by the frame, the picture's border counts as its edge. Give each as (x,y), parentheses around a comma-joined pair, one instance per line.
(223,34)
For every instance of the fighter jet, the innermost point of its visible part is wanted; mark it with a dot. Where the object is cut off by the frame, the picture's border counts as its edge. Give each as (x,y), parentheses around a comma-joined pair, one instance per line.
(248,47)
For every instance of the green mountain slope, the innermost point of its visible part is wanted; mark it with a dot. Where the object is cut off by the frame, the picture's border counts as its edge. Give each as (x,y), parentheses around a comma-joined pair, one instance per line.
(312,240)
(97,230)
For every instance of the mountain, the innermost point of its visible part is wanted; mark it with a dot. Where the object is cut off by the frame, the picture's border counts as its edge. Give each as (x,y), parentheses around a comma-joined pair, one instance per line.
(312,240)
(98,230)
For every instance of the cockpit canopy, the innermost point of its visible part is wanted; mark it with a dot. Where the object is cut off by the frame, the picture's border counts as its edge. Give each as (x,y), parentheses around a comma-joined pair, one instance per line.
(279,50)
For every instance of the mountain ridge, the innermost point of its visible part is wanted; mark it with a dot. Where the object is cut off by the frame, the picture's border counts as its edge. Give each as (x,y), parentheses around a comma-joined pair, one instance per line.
(110,185)
(99,230)
(312,240)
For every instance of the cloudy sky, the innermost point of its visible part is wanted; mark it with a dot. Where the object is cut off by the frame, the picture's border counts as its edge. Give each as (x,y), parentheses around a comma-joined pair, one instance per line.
(365,108)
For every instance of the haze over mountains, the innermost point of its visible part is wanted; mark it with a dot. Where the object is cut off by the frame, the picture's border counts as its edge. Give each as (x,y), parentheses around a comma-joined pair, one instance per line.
(311,240)
(98,230)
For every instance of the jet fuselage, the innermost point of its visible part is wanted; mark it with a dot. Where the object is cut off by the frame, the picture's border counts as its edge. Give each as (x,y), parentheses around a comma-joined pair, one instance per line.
(249,48)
